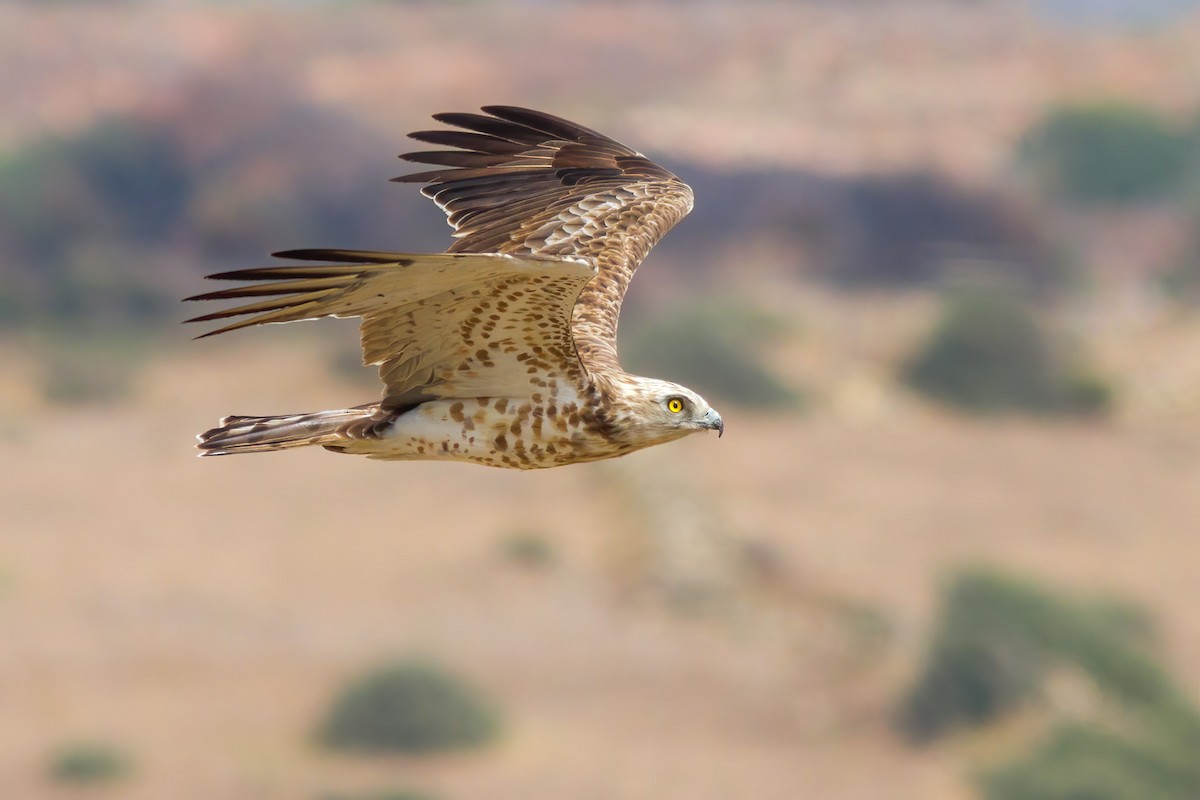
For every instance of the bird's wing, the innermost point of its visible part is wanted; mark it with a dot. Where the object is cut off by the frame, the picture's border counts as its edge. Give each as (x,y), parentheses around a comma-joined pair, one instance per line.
(445,325)
(525,182)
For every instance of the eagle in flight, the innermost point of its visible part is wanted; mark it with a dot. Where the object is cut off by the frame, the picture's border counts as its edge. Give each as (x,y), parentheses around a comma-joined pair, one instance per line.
(502,350)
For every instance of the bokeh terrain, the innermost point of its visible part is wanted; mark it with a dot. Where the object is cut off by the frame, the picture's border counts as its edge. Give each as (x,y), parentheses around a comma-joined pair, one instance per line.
(942,279)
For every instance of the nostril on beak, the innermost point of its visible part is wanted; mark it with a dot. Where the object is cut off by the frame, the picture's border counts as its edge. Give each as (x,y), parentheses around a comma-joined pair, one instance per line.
(715,423)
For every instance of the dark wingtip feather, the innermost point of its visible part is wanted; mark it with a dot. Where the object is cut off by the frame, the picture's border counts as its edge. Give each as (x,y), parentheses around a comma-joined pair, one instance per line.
(202,335)
(541,121)
(470,141)
(456,158)
(312,254)
(338,256)
(510,162)
(222,314)
(493,126)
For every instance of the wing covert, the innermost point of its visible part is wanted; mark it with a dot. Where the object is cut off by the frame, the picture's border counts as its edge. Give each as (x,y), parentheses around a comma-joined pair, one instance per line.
(445,325)
(525,182)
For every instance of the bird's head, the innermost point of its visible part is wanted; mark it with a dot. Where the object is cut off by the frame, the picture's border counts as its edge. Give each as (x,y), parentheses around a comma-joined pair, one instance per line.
(653,411)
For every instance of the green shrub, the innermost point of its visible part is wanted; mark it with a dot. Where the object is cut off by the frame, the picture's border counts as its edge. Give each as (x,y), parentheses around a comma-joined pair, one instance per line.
(121,178)
(385,794)
(78,213)
(990,353)
(88,762)
(528,549)
(412,706)
(984,659)
(996,638)
(1109,152)
(1086,763)
(714,349)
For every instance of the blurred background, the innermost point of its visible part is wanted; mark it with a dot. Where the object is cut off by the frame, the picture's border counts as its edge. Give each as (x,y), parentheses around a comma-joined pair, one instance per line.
(942,279)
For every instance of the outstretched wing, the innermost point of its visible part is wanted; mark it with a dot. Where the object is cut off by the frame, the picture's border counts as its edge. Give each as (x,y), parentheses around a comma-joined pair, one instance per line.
(525,182)
(445,325)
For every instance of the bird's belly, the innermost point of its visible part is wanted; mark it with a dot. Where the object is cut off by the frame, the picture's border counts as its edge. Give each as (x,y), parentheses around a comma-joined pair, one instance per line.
(501,432)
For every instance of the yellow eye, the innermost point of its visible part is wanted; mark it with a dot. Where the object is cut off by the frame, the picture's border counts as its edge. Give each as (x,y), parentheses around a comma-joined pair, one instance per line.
(674,405)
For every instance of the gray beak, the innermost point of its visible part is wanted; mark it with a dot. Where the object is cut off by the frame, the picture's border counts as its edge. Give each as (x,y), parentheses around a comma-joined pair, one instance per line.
(713,421)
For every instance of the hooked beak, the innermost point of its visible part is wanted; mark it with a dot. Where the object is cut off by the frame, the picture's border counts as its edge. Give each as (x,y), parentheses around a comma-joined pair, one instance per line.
(713,421)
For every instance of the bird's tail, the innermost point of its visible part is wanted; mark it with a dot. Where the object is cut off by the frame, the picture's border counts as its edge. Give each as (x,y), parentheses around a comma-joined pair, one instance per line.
(279,432)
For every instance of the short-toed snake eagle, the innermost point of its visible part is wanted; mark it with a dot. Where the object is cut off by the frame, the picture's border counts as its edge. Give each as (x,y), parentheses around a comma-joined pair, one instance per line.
(502,350)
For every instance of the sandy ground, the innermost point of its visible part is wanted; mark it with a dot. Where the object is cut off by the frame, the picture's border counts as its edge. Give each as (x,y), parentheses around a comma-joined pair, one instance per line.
(202,612)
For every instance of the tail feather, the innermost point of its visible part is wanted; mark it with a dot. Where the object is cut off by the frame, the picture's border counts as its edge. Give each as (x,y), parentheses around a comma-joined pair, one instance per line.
(242,434)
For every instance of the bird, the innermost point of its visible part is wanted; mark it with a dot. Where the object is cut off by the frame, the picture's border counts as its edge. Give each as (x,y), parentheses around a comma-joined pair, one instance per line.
(501,351)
